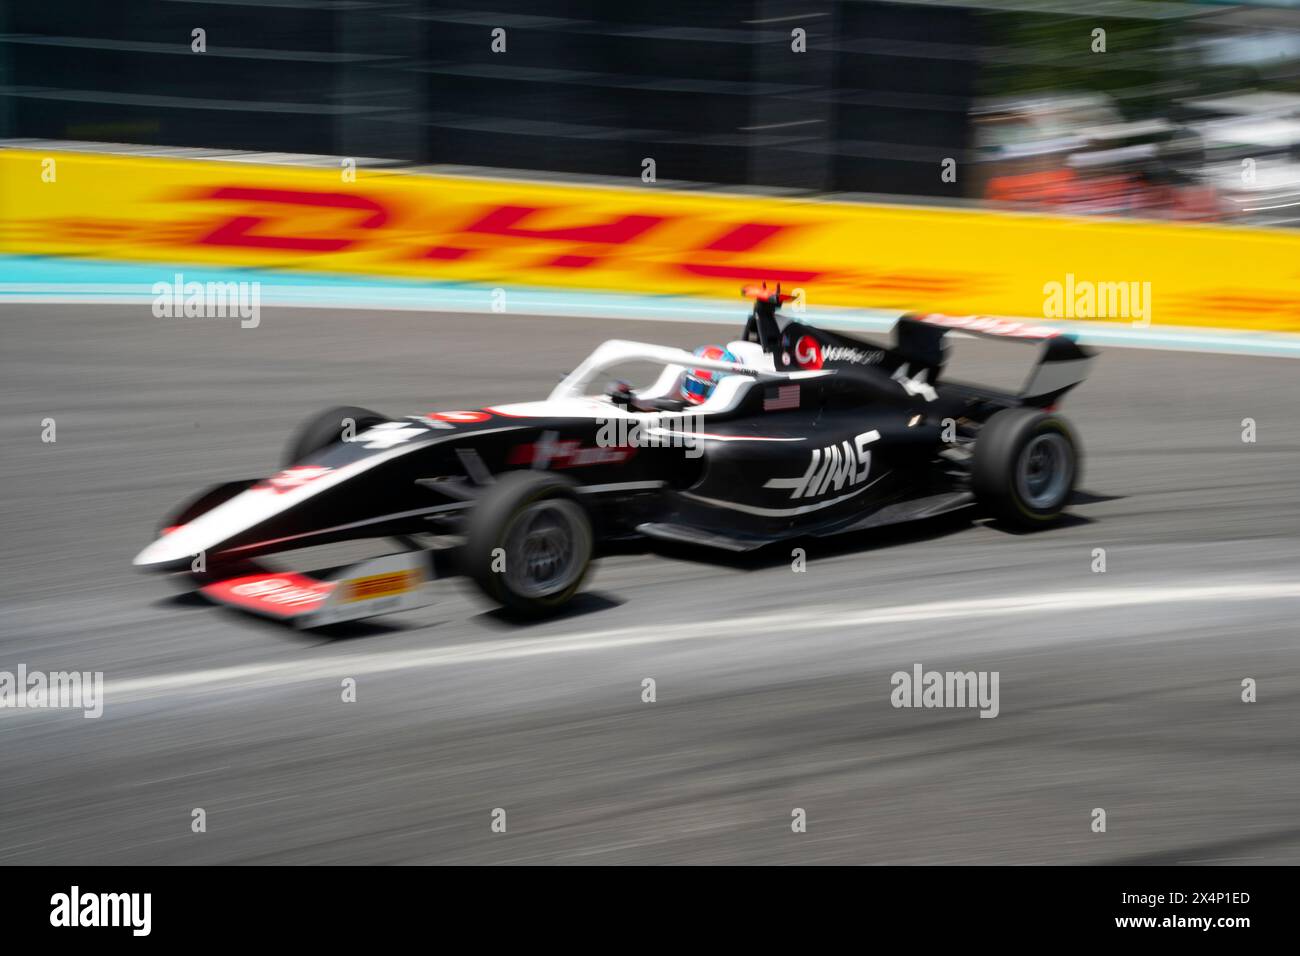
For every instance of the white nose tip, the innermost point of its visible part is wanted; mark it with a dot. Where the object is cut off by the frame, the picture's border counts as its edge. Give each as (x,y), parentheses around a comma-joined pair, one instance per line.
(168,549)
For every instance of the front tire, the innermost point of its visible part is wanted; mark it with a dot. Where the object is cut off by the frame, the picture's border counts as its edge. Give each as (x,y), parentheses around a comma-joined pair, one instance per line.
(528,542)
(328,428)
(1025,467)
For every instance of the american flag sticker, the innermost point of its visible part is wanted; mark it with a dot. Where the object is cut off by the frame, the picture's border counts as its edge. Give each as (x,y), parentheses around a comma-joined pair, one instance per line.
(785,396)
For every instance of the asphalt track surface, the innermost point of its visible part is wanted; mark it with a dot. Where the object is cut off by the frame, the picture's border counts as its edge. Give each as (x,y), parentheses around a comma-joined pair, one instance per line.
(1118,690)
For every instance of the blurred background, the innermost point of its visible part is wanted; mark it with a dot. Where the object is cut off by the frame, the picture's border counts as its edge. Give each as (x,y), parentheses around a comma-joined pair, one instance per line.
(1121,690)
(1018,92)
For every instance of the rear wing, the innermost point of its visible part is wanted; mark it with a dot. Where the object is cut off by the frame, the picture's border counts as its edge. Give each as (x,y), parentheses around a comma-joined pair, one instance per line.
(1062,362)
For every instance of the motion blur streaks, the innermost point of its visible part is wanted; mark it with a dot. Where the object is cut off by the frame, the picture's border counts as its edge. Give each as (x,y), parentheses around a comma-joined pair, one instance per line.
(1133,707)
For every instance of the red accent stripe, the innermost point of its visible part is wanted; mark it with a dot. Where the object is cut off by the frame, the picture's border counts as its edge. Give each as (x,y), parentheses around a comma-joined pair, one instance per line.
(277,595)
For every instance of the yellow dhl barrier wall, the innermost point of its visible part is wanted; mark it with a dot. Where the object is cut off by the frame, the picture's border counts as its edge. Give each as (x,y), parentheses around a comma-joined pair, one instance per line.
(645,240)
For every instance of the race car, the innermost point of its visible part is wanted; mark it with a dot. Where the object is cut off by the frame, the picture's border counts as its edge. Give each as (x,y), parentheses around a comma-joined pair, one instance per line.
(788,432)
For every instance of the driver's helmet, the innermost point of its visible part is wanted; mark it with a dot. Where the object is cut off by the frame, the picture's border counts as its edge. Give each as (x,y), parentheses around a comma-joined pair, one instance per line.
(699,383)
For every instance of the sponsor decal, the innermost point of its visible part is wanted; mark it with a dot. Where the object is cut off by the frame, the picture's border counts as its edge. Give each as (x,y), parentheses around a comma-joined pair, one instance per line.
(292,478)
(388,434)
(249,215)
(842,353)
(546,453)
(812,355)
(286,591)
(993,326)
(832,468)
(808,353)
(459,418)
(381,585)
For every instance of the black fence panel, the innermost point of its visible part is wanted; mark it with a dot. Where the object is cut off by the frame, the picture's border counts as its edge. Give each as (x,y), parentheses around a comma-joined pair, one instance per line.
(842,95)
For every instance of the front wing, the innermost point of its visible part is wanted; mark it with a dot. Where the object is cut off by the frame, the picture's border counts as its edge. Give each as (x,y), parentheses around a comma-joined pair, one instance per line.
(383,585)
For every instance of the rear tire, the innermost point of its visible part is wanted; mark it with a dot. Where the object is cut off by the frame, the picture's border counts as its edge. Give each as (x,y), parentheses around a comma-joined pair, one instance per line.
(528,542)
(327,428)
(1025,467)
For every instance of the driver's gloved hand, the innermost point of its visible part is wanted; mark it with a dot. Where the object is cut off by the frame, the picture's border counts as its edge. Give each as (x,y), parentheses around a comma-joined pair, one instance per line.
(619,392)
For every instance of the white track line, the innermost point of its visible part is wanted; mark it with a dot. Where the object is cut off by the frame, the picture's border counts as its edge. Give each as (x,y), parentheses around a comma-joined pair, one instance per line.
(335,666)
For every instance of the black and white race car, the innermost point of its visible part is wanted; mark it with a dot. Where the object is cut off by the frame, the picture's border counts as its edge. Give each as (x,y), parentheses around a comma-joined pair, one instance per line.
(802,433)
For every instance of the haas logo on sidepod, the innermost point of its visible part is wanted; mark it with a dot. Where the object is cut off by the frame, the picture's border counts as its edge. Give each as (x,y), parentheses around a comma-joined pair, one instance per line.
(832,468)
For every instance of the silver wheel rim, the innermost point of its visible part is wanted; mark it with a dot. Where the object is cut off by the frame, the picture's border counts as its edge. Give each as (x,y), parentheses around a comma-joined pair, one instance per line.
(1044,471)
(547,548)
